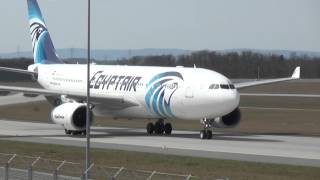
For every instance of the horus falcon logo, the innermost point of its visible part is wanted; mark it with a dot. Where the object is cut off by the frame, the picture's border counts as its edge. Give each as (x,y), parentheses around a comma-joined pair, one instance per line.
(37,29)
(160,90)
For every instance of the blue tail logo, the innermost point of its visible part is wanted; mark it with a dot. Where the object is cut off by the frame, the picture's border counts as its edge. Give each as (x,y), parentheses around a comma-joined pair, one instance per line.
(160,90)
(43,49)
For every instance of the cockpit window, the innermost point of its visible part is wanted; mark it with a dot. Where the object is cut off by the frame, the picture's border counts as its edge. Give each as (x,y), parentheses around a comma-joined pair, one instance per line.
(224,86)
(214,86)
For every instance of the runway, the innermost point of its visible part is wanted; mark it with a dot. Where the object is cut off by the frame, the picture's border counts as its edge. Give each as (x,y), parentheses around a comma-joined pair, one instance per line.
(294,150)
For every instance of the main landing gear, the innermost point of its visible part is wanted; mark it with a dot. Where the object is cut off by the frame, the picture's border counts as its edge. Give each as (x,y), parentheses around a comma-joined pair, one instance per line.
(206,133)
(74,133)
(159,128)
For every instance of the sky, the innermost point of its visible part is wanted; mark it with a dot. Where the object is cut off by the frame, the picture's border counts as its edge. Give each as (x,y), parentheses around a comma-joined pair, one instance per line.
(183,24)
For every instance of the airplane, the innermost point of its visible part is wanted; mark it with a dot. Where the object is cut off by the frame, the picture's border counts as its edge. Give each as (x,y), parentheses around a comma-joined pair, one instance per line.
(133,92)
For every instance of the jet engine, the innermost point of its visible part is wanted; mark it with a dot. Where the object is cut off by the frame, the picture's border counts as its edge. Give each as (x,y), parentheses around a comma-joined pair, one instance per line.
(228,121)
(71,115)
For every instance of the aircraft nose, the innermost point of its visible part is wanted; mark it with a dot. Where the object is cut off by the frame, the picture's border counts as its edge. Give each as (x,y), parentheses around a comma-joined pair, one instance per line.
(232,99)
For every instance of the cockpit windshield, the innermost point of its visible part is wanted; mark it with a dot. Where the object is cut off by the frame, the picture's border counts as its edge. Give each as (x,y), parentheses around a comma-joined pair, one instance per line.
(214,86)
(222,86)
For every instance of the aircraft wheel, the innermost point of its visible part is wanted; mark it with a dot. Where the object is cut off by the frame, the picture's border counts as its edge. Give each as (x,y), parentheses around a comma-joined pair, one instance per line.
(68,132)
(168,128)
(209,134)
(150,128)
(203,134)
(159,127)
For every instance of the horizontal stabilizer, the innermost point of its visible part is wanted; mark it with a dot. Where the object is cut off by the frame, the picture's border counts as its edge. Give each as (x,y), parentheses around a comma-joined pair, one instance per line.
(22,71)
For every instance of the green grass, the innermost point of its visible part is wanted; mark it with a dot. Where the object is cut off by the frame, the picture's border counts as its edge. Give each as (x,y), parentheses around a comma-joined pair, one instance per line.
(200,167)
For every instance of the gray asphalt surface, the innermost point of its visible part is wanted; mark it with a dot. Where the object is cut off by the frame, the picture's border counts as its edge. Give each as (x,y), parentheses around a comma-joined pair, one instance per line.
(294,150)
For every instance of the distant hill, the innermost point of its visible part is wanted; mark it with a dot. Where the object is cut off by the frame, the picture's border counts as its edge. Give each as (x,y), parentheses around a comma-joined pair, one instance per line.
(114,54)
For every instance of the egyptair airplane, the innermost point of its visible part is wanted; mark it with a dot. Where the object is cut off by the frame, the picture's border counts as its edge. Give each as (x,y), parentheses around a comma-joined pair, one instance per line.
(159,93)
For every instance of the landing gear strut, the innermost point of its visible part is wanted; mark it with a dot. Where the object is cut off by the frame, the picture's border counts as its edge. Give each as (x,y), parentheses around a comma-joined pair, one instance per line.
(206,133)
(159,127)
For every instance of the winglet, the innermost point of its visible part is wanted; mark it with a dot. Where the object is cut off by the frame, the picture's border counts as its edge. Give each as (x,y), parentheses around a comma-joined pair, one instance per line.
(296,73)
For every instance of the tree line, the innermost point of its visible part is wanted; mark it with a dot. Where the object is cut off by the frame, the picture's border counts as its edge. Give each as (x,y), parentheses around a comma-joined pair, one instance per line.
(234,65)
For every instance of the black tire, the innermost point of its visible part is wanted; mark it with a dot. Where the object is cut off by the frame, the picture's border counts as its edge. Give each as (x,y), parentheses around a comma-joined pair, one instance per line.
(168,128)
(159,128)
(209,134)
(203,134)
(150,128)
(68,132)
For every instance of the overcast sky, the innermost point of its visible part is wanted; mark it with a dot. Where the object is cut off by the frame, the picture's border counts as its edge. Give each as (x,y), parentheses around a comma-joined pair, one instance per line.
(186,24)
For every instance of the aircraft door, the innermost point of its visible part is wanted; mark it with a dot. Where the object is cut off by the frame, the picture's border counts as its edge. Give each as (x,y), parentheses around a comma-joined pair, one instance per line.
(189,92)
(187,99)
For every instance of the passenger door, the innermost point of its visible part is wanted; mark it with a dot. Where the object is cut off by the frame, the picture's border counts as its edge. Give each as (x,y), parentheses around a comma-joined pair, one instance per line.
(189,92)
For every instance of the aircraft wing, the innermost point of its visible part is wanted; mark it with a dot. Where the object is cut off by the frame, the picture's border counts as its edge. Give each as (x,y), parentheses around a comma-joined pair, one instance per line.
(295,75)
(115,100)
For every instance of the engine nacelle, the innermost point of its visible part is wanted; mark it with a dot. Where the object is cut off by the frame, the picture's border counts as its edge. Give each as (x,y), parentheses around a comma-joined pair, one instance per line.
(228,121)
(71,115)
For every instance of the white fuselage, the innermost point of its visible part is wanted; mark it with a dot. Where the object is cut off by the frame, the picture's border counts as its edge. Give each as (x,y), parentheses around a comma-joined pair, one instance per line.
(159,92)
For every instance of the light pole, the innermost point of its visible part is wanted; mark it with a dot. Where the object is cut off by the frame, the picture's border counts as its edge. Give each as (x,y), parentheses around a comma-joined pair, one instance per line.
(88,97)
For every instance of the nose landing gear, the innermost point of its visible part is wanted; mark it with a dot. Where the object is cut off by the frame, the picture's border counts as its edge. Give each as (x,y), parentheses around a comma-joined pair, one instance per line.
(159,127)
(206,133)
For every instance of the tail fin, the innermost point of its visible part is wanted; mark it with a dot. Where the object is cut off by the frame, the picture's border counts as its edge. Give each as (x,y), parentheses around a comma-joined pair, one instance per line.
(43,49)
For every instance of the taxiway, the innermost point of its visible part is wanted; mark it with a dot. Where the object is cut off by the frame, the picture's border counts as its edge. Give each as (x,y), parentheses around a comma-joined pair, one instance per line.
(294,150)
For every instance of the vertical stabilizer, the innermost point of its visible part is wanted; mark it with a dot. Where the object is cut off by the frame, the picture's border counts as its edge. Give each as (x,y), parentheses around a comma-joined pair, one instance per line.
(43,49)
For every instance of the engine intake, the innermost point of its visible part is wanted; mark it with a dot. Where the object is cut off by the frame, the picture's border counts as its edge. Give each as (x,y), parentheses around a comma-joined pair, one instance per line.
(228,121)
(71,115)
